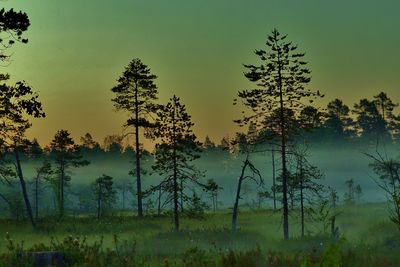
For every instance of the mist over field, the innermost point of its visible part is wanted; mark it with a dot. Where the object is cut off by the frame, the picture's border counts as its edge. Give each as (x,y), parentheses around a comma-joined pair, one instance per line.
(338,163)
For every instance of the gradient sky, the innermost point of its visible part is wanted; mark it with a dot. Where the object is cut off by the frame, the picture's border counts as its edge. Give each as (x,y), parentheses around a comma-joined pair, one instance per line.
(78,48)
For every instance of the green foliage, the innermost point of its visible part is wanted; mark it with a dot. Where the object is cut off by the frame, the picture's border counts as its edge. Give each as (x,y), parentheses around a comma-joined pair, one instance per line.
(12,25)
(196,208)
(66,155)
(104,194)
(129,241)
(246,258)
(388,171)
(136,92)
(177,148)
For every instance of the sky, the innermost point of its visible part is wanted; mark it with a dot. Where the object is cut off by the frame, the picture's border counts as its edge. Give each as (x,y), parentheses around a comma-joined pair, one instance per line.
(77,50)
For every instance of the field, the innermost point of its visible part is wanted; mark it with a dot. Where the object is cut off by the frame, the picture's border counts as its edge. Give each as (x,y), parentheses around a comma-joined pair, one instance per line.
(366,237)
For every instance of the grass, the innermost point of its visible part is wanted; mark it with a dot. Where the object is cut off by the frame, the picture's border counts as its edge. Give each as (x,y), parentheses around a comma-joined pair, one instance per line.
(365,230)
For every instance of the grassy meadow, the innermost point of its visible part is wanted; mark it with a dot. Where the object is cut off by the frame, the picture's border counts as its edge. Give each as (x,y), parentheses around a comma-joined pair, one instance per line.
(366,237)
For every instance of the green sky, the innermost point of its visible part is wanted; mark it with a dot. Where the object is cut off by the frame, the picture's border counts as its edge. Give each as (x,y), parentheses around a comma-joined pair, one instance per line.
(77,50)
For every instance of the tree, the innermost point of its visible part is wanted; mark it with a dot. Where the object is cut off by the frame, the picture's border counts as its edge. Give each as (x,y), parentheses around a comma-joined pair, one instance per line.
(358,191)
(66,155)
(88,144)
(122,186)
(244,176)
(349,195)
(386,107)
(224,144)
(177,148)
(12,25)
(17,102)
(213,188)
(263,195)
(104,193)
(136,93)
(196,206)
(43,172)
(246,147)
(338,122)
(281,79)
(208,144)
(113,143)
(370,123)
(388,171)
(306,183)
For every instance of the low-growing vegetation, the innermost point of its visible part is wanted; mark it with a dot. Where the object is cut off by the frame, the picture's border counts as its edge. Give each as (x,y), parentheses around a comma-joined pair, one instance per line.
(131,241)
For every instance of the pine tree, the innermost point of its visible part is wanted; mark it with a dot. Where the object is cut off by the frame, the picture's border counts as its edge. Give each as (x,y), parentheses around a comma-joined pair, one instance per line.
(104,192)
(66,155)
(12,25)
(136,93)
(208,144)
(18,103)
(338,122)
(176,149)
(386,107)
(281,79)
(370,123)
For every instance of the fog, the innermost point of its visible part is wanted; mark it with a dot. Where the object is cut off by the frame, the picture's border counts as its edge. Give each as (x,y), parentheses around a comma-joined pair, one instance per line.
(337,163)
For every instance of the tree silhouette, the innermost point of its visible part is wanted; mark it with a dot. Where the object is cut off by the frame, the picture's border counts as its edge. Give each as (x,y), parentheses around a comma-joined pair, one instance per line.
(213,188)
(306,183)
(66,155)
(136,93)
(88,142)
(175,151)
(370,123)
(386,107)
(12,25)
(104,193)
(281,79)
(247,165)
(43,172)
(113,144)
(17,102)
(208,144)
(388,172)
(338,121)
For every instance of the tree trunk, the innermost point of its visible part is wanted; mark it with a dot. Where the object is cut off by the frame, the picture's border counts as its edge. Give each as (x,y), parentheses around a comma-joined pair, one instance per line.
(216,201)
(213,200)
(62,174)
(273,177)
(301,199)
(176,211)
(23,187)
(159,202)
(283,151)
(99,201)
(137,147)
(181,191)
(236,206)
(37,197)
(98,207)
(123,197)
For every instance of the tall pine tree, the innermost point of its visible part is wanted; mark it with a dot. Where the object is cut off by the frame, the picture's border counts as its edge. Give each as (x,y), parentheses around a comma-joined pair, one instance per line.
(136,93)
(177,148)
(281,81)
(66,155)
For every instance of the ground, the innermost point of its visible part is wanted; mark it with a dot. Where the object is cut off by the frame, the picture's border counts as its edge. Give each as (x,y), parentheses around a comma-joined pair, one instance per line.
(364,229)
